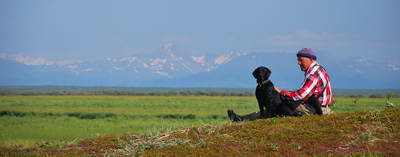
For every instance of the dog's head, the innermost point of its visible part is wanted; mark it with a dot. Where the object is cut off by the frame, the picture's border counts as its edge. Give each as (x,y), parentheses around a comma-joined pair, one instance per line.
(261,74)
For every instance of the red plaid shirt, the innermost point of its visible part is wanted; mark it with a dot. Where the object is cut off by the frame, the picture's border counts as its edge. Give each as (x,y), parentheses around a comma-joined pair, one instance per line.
(316,82)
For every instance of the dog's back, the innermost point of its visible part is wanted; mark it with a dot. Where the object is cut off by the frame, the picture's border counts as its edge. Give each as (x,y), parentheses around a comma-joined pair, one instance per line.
(313,102)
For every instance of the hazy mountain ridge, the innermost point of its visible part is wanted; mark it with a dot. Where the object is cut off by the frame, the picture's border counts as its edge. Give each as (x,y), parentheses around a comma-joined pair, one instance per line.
(119,71)
(167,67)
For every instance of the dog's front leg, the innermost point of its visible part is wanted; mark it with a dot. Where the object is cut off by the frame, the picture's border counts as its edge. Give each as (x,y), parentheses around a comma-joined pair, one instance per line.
(261,101)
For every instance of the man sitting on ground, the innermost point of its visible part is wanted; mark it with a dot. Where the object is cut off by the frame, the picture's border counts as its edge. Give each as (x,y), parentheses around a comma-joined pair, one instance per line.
(316,83)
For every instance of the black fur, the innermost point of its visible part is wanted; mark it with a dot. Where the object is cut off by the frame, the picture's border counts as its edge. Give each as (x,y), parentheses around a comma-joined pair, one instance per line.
(270,102)
(313,101)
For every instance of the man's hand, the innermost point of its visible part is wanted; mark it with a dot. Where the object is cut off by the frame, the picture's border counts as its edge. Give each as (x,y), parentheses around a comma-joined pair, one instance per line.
(277,89)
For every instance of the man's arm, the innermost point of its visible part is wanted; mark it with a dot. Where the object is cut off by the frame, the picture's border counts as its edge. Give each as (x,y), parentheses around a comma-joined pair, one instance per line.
(278,89)
(305,91)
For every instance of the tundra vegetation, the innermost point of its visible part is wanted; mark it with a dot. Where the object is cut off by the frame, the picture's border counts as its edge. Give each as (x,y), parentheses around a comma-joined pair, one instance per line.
(68,125)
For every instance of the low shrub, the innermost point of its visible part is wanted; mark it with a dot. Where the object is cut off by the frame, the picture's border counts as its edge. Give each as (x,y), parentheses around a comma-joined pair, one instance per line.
(91,115)
(177,116)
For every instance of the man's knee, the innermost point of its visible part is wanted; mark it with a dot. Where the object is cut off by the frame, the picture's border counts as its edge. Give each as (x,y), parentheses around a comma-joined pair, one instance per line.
(305,109)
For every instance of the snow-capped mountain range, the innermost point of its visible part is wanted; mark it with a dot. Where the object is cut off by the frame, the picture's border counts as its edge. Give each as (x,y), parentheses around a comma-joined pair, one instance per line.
(135,70)
(168,64)
(168,68)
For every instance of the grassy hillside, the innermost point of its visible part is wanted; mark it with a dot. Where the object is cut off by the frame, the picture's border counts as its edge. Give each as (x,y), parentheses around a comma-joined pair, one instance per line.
(360,133)
(37,121)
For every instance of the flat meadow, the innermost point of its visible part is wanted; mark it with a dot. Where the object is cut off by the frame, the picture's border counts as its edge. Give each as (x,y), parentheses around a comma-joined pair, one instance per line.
(36,121)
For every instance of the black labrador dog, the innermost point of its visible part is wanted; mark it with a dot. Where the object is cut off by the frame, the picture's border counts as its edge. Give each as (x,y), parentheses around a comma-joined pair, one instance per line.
(271,103)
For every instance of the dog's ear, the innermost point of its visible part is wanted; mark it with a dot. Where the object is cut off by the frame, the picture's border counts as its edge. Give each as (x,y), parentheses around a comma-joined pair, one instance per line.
(267,73)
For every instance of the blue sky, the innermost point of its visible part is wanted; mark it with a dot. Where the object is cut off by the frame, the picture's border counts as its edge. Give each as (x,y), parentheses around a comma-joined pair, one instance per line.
(71,30)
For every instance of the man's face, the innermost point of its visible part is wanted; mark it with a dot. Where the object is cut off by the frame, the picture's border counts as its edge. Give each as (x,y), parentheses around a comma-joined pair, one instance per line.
(304,62)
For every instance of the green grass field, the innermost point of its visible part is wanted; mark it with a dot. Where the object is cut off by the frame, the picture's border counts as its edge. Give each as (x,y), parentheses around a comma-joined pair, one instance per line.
(32,121)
